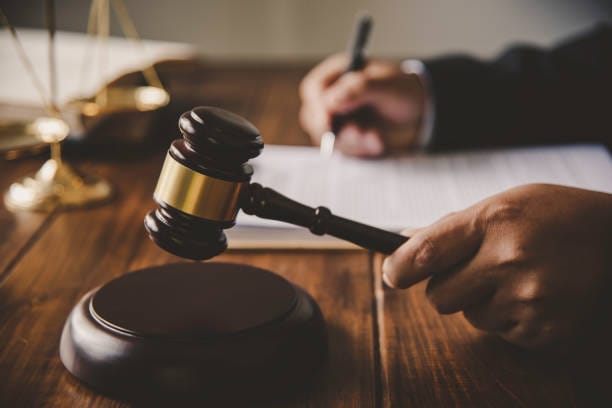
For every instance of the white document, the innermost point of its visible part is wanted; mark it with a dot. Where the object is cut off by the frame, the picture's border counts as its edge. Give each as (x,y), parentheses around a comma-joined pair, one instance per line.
(416,190)
(72,49)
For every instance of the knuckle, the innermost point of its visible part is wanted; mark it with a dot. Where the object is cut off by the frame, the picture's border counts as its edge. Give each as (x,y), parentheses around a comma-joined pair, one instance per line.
(502,212)
(356,85)
(512,254)
(425,252)
(529,289)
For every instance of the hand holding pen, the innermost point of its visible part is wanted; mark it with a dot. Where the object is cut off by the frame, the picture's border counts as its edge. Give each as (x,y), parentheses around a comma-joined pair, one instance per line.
(357,62)
(378,108)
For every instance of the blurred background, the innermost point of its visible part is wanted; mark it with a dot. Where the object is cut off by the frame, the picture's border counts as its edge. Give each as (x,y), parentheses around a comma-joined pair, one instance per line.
(306,30)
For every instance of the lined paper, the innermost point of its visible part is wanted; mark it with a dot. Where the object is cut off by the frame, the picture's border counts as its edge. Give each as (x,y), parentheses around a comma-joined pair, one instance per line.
(416,190)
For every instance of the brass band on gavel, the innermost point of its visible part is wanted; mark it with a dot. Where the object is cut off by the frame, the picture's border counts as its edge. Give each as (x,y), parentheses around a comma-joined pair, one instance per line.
(197,194)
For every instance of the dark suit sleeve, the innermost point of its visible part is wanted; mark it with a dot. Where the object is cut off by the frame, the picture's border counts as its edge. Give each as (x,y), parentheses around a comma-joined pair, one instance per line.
(526,96)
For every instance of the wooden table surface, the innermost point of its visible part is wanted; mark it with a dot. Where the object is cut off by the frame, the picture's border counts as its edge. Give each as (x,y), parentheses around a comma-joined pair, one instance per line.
(387,348)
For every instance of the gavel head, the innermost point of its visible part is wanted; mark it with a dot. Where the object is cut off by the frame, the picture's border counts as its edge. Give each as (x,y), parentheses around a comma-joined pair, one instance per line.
(200,183)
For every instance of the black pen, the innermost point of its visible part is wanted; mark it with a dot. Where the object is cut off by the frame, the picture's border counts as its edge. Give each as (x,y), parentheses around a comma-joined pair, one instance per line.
(357,62)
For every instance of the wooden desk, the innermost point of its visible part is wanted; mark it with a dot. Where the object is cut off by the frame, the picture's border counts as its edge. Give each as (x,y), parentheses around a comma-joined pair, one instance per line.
(387,348)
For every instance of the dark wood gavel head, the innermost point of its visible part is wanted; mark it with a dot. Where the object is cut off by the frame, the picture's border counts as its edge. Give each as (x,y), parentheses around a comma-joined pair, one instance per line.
(201,181)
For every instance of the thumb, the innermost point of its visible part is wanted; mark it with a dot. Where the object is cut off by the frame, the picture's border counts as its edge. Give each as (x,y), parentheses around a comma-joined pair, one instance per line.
(433,249)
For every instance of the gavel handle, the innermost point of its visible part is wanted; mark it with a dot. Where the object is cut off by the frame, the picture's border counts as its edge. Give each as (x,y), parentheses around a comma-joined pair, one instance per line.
(264,202)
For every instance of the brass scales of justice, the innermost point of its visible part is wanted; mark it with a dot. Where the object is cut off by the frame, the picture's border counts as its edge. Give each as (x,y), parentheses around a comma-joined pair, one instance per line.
(56,184)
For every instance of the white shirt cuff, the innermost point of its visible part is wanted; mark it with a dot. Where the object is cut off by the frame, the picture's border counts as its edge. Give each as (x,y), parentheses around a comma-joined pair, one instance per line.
(413,66)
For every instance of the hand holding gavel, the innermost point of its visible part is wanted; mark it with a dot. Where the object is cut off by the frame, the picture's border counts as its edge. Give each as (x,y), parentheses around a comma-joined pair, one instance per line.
(205,181)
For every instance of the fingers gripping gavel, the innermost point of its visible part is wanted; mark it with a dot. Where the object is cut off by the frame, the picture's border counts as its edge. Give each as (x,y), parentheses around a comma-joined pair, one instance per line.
(205,181)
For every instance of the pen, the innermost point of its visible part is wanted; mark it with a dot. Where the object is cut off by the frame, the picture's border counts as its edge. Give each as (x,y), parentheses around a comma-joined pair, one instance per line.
(357,62)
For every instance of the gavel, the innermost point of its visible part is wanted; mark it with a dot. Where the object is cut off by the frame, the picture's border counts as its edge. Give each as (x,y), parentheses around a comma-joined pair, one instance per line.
(205,181)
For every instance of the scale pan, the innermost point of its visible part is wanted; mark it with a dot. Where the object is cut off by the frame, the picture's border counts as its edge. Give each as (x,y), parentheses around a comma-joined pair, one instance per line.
(121,99)
(135,109)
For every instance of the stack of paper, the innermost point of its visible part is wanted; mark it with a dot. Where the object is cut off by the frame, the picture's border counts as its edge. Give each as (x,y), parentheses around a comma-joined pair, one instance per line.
(407,191)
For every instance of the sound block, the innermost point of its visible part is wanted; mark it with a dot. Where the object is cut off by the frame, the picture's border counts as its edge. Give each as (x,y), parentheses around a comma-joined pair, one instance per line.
(210,330)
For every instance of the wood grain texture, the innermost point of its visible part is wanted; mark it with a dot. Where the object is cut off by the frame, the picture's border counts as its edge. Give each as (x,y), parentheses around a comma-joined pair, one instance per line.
(387,348)
(429,360)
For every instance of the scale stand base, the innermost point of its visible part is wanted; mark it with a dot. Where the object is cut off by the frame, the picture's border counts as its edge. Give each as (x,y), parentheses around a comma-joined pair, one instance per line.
(56,185)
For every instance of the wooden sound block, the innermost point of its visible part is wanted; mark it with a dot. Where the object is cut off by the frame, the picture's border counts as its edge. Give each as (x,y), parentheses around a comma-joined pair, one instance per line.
(195,329)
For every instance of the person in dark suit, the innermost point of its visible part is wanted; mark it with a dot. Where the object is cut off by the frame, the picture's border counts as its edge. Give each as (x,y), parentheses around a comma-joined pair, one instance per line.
(532,264)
